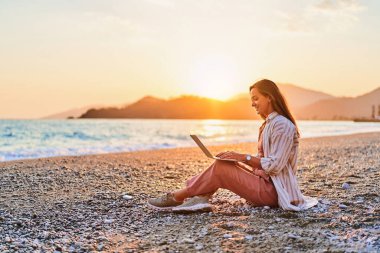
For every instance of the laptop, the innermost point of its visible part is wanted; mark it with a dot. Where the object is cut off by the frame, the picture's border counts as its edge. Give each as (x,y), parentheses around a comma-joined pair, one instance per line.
(207,152)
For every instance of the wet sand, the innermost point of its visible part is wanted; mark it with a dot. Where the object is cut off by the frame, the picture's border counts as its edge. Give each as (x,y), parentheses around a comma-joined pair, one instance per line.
(76,204)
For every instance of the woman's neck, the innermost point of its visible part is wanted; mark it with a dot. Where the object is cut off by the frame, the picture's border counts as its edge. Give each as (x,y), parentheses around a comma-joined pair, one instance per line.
(268,113)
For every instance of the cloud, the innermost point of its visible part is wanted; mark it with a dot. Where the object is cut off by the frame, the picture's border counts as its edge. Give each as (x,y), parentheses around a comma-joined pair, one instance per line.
(162,3)
(339,5)
(113,28)
(295,23)
(101,22)
(338,14)
(323,16)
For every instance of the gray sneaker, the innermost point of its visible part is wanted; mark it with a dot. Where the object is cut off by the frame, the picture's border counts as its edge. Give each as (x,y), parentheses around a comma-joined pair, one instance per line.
(164,203)
(194,204)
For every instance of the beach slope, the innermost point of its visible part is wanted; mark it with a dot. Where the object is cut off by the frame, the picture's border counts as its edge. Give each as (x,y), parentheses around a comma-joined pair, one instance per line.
(79,204)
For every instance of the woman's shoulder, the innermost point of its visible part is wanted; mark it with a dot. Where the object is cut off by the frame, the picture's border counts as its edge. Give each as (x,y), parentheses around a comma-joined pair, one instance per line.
(281,123)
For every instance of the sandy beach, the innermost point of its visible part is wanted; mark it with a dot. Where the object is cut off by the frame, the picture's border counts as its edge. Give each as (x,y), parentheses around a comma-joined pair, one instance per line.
(81,204)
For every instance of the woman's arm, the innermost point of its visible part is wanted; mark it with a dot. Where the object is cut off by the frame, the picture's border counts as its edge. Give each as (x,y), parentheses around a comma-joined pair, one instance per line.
(254,162)
(281,144)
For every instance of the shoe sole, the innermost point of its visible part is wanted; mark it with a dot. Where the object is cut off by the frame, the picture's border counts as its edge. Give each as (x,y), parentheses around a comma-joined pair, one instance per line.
(163,209)
(193,208)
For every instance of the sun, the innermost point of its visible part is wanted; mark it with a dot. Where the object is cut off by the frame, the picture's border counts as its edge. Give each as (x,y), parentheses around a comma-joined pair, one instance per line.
(214,77)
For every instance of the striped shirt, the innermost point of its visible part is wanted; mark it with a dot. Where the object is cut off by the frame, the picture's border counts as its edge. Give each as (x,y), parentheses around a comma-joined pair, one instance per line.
(280,145)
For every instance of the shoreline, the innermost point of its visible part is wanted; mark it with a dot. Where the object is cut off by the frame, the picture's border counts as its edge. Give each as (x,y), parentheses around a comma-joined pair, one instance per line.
(77,204)
(187,147)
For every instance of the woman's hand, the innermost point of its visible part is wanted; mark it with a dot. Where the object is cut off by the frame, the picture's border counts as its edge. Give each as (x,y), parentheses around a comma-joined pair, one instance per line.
(232,155)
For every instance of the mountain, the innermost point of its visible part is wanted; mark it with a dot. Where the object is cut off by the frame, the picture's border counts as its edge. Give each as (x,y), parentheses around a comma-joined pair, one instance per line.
(75,112)
(296,97)
(184,107)
(342,108)
(304,103)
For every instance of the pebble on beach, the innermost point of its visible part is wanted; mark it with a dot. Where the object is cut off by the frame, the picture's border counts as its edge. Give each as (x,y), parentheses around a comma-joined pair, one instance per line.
(127,197)
(108,221)
(346,186)
(342,206)
(227,236)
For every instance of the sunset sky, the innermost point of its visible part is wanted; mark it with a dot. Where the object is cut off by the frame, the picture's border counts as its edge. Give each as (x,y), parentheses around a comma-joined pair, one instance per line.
(58,55)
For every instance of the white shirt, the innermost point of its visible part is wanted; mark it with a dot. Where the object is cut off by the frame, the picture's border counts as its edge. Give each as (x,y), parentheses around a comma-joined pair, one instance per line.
(280,144)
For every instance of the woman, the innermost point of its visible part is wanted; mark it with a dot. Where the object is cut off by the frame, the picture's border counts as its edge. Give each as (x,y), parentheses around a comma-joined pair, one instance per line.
(271,176)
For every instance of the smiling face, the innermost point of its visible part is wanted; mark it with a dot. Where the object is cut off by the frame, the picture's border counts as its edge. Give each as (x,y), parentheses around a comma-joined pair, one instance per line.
(261,103)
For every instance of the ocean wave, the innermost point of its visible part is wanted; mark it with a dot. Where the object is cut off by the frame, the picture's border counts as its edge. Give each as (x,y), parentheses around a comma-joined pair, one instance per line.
(46,138)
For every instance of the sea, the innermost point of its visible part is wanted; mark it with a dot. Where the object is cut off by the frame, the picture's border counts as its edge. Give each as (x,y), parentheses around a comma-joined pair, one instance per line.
(26,139)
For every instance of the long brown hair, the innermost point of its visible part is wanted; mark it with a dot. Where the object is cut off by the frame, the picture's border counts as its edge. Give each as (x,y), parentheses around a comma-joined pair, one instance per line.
(269,89)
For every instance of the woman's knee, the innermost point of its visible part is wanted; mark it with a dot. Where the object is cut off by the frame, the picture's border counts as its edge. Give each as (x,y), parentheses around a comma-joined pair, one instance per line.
(220,166)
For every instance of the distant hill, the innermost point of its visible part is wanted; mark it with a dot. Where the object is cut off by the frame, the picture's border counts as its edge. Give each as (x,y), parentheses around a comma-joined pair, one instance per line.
(342,108)
(185,107)
(304,103)
(76,112)
(296,97)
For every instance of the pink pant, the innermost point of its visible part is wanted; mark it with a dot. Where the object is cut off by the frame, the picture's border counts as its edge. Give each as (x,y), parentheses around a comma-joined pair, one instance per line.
(252,184)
